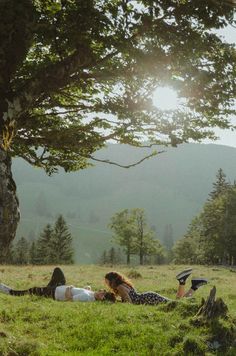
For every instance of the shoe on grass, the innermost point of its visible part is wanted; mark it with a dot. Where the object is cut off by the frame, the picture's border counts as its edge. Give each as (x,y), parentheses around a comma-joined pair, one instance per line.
(198,282)
(182,276)
(4,289)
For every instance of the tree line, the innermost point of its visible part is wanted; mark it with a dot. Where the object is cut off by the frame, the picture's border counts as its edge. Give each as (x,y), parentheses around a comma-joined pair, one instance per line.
(211,236)
(54,246)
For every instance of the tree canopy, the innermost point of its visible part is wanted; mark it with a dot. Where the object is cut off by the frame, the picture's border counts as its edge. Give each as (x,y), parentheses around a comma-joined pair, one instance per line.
(131,231)
(77,74)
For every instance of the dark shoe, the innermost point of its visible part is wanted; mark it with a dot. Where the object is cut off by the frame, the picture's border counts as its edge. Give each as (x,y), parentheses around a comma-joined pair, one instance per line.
(182,276)
(57,279)
(198,282)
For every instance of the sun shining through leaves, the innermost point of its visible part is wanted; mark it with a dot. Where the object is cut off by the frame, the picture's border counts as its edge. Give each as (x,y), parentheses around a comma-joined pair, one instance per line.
(165,98)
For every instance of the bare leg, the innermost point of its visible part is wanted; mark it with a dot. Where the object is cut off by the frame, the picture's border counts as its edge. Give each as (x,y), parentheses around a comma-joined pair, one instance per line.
(181,277)
(181,291)
(196,283)
(189,293)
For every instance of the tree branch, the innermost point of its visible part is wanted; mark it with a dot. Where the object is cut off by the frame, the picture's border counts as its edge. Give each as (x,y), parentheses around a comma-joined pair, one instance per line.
(125,166)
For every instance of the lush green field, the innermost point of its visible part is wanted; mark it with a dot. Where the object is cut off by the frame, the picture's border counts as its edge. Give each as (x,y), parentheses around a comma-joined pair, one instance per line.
(38,326)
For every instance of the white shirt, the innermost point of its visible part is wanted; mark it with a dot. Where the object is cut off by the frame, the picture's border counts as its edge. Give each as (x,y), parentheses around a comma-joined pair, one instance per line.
(78,294)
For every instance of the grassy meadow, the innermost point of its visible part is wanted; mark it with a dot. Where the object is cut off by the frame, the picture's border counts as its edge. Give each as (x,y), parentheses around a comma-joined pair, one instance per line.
(39,326)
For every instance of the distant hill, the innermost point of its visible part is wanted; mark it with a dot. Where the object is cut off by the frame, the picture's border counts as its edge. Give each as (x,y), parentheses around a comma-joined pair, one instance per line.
(171,187)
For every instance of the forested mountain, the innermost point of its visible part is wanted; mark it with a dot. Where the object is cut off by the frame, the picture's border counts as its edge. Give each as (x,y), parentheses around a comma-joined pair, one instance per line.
(171,187)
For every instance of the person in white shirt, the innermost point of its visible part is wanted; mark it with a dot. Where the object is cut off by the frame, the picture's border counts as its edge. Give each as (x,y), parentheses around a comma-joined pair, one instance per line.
(58,290)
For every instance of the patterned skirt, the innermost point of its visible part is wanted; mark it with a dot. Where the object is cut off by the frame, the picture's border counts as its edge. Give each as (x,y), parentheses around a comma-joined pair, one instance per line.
(149,298)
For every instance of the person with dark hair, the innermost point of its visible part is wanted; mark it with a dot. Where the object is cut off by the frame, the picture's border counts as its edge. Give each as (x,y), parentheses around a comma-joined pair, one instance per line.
(58,290)
(123,288)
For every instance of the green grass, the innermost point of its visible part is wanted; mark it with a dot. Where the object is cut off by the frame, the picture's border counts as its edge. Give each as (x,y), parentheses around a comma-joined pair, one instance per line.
(38,326)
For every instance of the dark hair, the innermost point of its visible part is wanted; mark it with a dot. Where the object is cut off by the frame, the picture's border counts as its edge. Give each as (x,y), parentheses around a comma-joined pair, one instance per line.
(110,297)
(115,279)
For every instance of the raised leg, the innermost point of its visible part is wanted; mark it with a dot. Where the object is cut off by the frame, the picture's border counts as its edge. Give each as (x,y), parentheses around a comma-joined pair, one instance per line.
(57,279)
(182,277)
(196,283)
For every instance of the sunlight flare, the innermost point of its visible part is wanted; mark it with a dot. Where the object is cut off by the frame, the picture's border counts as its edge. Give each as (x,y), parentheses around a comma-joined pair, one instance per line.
(165,98)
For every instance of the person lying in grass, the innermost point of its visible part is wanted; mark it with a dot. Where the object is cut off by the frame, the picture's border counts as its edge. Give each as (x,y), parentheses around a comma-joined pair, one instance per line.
(58,290)
(123,288)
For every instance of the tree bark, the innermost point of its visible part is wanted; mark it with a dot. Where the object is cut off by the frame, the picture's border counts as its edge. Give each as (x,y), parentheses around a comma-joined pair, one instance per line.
(212,308)
(9,204)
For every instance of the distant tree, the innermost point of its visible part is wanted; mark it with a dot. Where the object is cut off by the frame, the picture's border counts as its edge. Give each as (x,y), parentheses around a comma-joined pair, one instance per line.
(212,219)
(188,250)
(168,237)
(122,224)
(21,252)
(220,185)
(219,228)
(61,250)
(144,242)
(133,234)
(211,237)
(119,256)
(103,259)
(230,227)
(112,256)
(33,257)
(184,251)
(43,246)
(168,242)
(159,256)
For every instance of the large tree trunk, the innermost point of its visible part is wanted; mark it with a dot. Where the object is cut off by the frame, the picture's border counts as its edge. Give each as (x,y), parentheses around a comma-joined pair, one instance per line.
(9,204)
(17,20)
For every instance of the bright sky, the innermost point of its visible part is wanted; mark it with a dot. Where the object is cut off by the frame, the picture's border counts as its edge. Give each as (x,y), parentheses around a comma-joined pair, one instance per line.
(166,98)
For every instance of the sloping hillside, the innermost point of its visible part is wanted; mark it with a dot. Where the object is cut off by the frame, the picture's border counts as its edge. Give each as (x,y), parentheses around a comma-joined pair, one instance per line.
(171,188)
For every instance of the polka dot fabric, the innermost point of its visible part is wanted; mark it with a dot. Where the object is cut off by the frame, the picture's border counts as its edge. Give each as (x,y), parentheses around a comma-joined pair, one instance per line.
(149,298)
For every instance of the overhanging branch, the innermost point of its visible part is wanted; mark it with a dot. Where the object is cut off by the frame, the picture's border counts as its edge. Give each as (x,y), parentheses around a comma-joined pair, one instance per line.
(128,165)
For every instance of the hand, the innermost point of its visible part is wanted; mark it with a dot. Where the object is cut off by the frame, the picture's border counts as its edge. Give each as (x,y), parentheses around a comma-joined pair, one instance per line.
(68,293)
